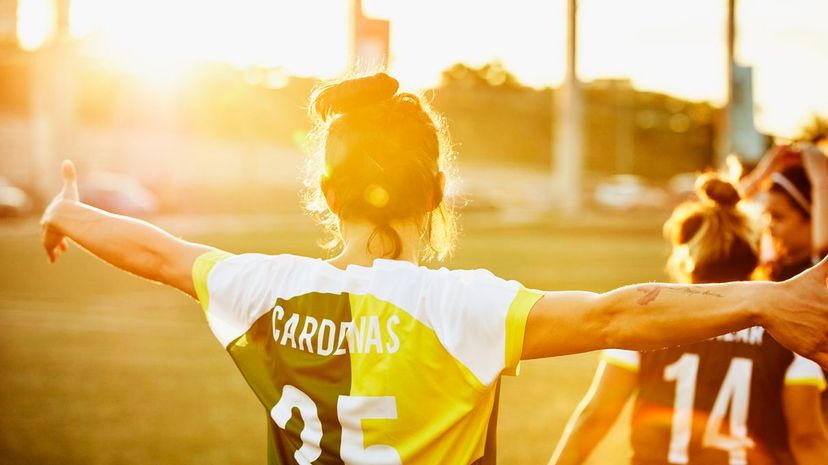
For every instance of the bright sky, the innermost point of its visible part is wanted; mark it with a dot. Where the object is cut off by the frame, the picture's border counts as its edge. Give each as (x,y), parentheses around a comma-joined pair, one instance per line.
(672,46)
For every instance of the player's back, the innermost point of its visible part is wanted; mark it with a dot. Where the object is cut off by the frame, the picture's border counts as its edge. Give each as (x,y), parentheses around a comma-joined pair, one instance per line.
(387,364)
(717,402)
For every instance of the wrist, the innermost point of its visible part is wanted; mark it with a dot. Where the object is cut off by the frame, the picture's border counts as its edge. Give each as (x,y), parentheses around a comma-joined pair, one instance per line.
(760,308)
(58,214)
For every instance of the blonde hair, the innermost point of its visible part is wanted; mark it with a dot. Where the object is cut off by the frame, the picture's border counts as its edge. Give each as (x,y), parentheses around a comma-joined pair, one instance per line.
(383,155)
(712,239)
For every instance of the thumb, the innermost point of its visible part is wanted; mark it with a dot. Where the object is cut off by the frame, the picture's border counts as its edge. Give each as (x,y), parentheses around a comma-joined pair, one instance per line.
(70,181)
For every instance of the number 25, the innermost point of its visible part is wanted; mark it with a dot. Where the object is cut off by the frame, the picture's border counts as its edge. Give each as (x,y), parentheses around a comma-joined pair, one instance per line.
(351,410)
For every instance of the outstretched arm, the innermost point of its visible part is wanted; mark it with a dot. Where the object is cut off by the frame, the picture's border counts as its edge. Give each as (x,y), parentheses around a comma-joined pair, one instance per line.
(600,407)
(639,317)
(127,243)
(650,316)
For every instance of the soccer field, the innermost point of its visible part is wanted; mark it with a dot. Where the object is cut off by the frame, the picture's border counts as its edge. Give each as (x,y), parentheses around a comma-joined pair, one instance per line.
(102,368)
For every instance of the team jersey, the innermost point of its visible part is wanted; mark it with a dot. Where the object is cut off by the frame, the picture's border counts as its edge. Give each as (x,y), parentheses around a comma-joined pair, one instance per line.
(717,402)
(388,364)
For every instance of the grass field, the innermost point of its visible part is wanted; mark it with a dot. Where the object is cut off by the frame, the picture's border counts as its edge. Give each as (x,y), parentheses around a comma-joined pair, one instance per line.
(102,368)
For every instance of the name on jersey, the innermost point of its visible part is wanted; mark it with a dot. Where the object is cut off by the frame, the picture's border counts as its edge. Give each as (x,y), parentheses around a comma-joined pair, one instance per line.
(752,336)
(366,334)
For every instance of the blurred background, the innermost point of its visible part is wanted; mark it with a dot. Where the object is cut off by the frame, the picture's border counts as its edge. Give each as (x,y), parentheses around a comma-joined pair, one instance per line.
(578,126)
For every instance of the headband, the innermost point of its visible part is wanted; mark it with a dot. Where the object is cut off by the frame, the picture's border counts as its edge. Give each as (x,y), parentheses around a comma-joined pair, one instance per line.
(788,186)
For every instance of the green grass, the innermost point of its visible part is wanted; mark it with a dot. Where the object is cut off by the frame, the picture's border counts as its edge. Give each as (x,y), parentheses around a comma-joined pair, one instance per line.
(99,367)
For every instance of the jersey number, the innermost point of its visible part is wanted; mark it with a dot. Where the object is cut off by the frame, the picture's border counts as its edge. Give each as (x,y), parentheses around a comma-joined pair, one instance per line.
(734,393)
(351,410)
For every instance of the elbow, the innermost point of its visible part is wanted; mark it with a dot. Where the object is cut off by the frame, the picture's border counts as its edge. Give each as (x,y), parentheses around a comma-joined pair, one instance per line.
(609,324)
(613,337)
(155,268)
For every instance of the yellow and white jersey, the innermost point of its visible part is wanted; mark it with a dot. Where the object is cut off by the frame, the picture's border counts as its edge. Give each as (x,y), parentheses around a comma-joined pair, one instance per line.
(389,364)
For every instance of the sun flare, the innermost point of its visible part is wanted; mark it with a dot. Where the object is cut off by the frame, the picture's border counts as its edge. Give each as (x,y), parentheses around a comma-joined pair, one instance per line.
(668,46)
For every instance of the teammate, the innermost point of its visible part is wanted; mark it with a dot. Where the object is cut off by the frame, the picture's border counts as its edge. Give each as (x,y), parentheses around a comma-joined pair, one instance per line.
(796,182)
(368,358)
(737,399)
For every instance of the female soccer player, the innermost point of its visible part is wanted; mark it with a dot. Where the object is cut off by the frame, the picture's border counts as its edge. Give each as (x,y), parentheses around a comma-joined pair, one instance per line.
(740,398)
(796,182)
(368,358)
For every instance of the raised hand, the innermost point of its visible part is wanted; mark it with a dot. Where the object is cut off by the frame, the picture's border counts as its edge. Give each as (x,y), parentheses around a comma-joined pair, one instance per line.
(783,156)
(815,163)
(54,241)
(777,158)
(800,320)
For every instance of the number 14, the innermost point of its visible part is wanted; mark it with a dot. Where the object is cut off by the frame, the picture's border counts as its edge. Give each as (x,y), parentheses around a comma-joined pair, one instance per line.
(734,393)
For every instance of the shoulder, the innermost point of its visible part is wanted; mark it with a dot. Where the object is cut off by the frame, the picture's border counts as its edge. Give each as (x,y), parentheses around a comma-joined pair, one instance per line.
(805,372)
(261,264)
(260,259)
(222,272)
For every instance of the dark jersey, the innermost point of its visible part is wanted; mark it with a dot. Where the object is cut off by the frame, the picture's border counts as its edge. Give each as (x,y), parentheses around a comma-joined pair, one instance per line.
(779,271)
(717,402)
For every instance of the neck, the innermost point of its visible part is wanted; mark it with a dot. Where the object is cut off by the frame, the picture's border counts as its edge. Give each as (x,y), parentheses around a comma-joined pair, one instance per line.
(361,249)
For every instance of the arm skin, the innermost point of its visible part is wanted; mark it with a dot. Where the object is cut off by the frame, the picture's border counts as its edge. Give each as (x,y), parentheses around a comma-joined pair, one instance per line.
(816,166)
(129,244)
(806,432)
(651,316)
(642,316)
(600,407)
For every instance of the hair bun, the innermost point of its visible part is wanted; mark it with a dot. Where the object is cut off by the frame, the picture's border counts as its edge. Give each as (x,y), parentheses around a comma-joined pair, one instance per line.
(717,190)
(335,99)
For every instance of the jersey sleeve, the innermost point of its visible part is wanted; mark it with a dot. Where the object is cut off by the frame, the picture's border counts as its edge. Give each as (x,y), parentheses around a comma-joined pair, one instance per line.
(235,290)
(626,359)
(202,267)
(481,320)
(804,372)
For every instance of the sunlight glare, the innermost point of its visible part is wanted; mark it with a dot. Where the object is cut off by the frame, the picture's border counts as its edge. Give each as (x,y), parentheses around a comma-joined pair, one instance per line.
(85,17)
(36,23)
(668,46)
(160,39)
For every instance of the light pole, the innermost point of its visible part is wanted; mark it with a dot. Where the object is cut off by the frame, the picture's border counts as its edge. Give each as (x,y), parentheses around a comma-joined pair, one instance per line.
(567,131)
(724,144)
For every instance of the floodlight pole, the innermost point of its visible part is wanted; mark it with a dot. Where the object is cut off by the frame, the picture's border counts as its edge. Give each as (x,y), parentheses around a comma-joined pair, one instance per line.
(724,144)
(567,129)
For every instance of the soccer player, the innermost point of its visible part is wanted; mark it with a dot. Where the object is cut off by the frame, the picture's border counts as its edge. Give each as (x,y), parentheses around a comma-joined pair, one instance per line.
(737,399)
(368,358)
(795,179)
